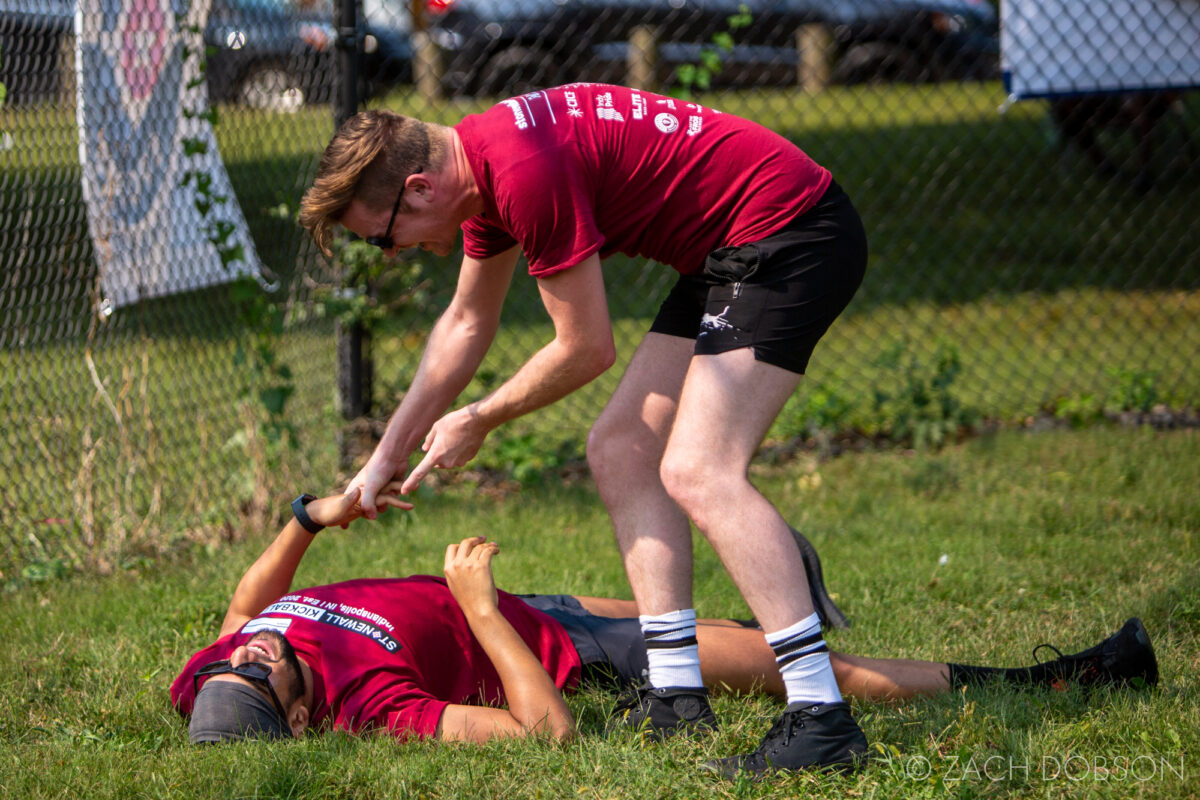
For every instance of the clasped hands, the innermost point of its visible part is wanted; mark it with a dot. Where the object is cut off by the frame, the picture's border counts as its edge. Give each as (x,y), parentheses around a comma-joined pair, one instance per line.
(452,442)
(342,509)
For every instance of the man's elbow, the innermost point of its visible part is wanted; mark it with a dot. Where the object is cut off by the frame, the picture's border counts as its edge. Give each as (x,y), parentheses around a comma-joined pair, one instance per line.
(596,358)
(563,733)
(471,323)
(557,727)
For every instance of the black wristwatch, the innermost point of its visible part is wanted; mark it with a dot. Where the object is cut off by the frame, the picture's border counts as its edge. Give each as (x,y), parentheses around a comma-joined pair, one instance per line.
(306,522)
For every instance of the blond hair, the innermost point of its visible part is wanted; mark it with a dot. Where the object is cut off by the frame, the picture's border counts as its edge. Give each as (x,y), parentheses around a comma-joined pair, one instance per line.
(368,158)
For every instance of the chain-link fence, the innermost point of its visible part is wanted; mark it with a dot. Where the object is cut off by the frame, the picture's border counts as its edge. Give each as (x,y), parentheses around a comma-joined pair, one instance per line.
(1034,247)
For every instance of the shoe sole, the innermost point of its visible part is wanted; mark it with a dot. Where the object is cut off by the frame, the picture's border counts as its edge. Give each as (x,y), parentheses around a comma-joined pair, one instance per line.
(724,772)
(822,603)
(1142,637)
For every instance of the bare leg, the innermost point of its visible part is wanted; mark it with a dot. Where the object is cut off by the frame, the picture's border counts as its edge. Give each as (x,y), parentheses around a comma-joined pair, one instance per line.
(727,404)
(738,659)
(625,448)
(888,678)
(608,606)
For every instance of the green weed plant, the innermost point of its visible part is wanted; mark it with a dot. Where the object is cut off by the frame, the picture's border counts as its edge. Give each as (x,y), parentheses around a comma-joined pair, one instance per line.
(270,434)
(918,406)
(699,76)
(1135,389)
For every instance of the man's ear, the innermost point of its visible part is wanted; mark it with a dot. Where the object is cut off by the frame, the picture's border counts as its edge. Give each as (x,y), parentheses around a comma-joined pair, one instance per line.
(298,718)
(421,186)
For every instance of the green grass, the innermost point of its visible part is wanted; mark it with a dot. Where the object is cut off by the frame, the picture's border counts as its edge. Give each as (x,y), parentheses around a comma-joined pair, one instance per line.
(1047,537)
(1050,283)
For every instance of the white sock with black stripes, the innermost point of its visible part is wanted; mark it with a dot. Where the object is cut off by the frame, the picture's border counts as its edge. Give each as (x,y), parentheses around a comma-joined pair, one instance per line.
(803,660)
(671,649)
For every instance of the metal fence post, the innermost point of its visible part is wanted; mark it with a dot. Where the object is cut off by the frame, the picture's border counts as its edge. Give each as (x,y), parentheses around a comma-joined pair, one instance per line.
(355,370)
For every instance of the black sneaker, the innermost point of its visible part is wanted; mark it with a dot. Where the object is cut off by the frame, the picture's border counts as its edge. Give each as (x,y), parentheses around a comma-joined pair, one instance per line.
(820,737)
(1124,659)
(824,606)
(666,712)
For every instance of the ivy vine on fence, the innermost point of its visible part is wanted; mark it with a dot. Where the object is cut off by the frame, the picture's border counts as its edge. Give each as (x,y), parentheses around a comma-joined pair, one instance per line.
(699,76)
(261,318)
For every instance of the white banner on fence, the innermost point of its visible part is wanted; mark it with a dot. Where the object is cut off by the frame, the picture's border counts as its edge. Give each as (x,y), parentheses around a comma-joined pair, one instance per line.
(1056,47)
(133,87)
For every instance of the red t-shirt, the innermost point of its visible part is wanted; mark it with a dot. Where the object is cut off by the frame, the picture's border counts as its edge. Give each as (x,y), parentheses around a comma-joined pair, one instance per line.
(587,168)
(391,653)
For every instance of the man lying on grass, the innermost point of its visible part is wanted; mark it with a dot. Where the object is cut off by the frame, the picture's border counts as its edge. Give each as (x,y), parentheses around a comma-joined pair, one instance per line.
(455,659)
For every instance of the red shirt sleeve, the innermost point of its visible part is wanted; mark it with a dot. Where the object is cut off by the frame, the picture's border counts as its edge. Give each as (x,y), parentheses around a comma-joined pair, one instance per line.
(545,202)
(408,712)
(483,239)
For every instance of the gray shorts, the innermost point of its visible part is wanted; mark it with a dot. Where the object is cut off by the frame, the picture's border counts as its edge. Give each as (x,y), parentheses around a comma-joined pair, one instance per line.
(612,649)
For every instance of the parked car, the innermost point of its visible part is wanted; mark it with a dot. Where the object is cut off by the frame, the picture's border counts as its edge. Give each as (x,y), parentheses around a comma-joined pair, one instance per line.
(496,46)
(272,54)
(276,54)
(32,60)
(386,45)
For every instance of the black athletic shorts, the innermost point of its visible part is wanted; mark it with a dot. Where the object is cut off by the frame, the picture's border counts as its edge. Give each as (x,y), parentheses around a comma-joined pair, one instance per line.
(611,649)
(777,295)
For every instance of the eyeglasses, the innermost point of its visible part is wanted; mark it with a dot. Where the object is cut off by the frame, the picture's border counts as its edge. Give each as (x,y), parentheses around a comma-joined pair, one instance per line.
(250,670)
(385,242)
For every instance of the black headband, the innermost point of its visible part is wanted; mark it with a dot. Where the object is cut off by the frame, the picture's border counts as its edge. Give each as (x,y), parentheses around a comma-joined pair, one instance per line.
(226,711)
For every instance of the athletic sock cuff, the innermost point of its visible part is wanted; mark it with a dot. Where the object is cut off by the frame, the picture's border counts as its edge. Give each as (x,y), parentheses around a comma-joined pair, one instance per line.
(674,629)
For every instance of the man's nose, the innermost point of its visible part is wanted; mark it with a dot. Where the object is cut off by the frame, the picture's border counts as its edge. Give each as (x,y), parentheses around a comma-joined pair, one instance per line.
(240,656)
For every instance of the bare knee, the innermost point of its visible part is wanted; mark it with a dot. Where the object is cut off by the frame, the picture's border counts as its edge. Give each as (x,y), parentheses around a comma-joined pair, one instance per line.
(693,482)
(617,450)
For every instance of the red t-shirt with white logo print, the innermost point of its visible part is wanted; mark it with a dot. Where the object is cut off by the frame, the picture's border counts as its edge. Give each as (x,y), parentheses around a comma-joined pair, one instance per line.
(593,168)
(391,653)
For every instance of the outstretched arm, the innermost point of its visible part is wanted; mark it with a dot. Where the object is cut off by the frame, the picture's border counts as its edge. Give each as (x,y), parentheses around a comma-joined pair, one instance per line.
(271,575)
(535,705)
(581,350)
(456,347)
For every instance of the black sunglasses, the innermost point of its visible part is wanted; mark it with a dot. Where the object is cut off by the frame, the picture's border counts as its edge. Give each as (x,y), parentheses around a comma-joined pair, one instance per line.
(251,671)
(385,242)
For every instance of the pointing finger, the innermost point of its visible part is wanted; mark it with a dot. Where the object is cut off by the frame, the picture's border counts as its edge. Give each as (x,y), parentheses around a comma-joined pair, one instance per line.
(417,475)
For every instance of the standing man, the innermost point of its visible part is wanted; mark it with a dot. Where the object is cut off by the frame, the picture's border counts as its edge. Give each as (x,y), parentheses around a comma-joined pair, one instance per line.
(769,250)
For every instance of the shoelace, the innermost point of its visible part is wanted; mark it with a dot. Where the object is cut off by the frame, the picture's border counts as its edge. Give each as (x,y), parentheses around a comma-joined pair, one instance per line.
(1049,646)
(790,723)
(1100,651)
(628,699)
(1084,667)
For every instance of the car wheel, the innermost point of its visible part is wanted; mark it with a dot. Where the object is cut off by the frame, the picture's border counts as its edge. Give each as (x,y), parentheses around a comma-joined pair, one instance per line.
(270,87)
(879,62)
